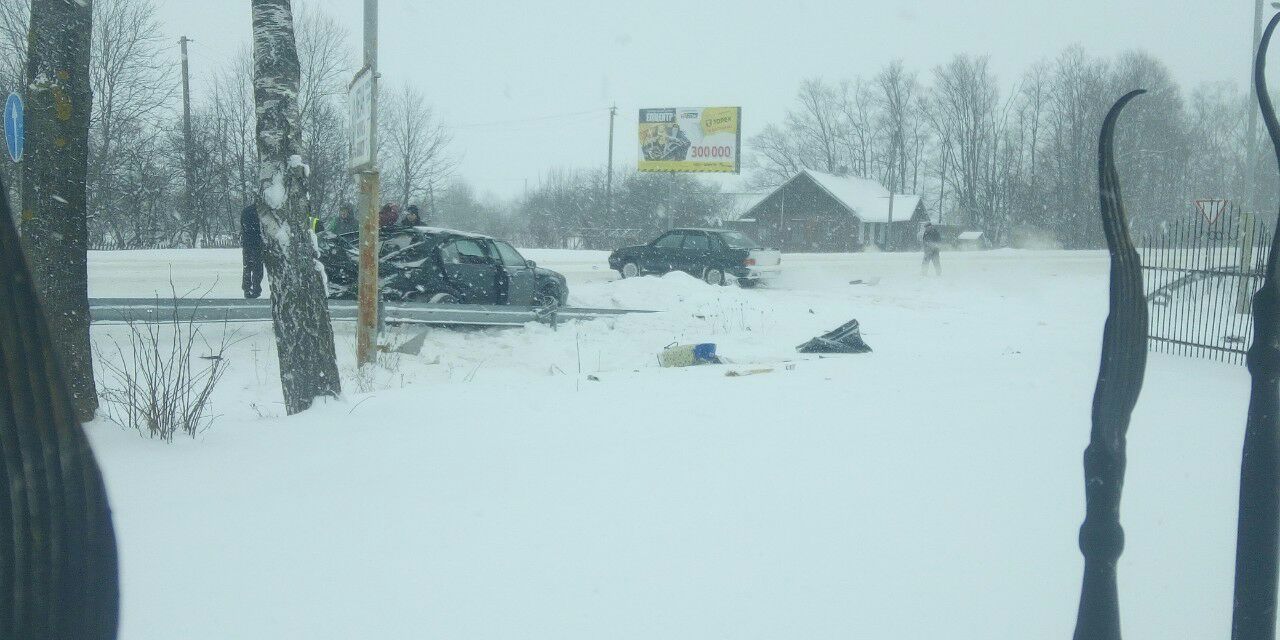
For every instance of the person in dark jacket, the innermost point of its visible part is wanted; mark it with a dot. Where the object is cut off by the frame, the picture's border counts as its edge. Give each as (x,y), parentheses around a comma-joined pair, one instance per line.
(932,242)
(412,218)
(251,251)
(346,221)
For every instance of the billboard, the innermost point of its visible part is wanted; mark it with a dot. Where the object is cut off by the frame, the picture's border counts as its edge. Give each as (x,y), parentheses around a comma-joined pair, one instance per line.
(691,139)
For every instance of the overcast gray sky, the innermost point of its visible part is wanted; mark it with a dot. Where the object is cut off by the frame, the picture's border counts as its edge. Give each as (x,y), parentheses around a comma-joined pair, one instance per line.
(527,85)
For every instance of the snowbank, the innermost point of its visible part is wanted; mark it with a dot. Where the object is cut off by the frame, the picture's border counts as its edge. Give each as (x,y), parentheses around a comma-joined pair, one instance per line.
(490,489)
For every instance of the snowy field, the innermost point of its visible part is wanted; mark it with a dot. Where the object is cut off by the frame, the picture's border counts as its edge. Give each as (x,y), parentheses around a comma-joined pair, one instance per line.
(558,484)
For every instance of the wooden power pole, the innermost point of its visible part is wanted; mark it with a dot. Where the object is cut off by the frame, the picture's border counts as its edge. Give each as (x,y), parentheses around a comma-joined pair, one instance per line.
(367,320)
(608,190)
(188,167)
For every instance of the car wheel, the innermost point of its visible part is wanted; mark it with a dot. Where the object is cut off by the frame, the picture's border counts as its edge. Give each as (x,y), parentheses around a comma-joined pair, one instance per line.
(547,298)
(630,270)
(443,298)
(747,283)
(713,276)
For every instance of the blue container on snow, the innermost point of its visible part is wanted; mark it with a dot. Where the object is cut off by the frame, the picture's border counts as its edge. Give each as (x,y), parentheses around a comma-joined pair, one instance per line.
(705,352)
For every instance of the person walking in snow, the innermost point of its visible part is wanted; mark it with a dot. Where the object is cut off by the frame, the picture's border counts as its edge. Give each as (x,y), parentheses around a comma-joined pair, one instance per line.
(251,251)
(346,221)
(931,240)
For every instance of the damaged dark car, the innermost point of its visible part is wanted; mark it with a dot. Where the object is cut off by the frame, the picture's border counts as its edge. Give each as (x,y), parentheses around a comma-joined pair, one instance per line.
(442,266)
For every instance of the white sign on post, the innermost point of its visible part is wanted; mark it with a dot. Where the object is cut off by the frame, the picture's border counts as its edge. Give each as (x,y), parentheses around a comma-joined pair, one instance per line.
(360,97)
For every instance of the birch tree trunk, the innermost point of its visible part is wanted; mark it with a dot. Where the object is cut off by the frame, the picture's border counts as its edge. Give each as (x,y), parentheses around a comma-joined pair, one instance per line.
(54,221)
(304,335)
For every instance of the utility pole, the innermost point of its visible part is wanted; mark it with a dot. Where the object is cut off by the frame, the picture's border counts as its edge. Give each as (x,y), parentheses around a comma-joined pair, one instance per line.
(367,325)
(608,190)
(888,241)
(1251,147)
(188,168)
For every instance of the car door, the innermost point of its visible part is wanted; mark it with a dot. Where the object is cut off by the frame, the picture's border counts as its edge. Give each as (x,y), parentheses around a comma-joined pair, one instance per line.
(520,282)
(664,254)
(470,270)
(695,253)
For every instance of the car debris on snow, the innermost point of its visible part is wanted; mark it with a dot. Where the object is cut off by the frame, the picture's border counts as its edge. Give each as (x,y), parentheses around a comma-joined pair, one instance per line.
(845,339)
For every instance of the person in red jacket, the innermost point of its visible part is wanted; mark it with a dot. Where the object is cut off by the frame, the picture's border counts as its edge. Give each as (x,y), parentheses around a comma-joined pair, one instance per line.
(388,215)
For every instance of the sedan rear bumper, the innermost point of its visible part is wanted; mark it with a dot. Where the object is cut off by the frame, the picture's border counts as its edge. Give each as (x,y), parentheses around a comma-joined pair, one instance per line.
(757,273)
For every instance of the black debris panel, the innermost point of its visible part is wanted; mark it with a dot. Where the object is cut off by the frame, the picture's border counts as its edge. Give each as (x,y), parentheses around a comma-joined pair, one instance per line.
(846,339)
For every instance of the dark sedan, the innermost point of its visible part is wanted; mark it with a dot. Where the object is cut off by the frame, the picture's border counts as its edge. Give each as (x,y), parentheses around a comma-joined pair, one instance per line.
(443,266)
(714,255)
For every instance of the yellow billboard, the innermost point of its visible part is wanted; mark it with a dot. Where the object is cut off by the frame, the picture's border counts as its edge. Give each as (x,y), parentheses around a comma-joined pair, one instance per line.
(691,139)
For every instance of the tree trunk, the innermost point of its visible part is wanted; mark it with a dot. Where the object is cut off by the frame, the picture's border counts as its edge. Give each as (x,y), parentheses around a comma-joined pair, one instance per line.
(55,169)
(304,335)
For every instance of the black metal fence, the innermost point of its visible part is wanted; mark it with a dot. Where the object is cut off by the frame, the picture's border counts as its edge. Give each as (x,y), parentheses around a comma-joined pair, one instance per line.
(1200,277)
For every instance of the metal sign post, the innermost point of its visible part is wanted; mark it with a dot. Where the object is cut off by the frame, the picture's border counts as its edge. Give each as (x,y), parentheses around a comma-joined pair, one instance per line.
(14,128)
(363,103)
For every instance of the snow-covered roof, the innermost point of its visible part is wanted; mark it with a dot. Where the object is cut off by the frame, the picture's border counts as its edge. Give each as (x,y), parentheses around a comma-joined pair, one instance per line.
(741,203)
(866,198)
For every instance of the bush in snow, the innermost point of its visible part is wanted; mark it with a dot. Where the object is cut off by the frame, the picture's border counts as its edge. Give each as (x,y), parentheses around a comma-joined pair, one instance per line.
(159,378)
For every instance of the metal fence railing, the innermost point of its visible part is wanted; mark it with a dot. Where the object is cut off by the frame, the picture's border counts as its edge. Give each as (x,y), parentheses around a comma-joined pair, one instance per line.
(1200,277)
(109,244)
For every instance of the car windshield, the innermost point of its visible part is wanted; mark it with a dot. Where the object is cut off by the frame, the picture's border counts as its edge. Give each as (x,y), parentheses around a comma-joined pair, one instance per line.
(737,240)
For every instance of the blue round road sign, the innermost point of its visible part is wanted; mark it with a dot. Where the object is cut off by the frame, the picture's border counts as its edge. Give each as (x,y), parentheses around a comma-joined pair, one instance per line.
(13,126)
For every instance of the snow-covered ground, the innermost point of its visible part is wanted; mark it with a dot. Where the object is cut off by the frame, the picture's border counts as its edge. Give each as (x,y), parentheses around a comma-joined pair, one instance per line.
(540,483)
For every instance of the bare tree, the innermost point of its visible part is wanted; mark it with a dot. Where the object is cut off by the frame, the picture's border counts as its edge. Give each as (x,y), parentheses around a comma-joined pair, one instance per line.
(817,125)
(775,157)
(416,146)
(857,111)
(132,78)
(964,106)
(1217,160)
(1153,141)
(304,335)
(55,229)
(233,147)
(326,62)
(898,92)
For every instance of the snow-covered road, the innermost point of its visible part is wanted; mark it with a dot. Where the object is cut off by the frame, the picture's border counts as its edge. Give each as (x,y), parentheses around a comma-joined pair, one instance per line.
(488,488)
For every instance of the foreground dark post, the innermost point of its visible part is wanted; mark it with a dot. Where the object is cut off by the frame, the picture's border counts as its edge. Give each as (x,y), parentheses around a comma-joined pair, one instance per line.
(1258,531)
(58,577)
(54,219)
(1124,362)
(299,305)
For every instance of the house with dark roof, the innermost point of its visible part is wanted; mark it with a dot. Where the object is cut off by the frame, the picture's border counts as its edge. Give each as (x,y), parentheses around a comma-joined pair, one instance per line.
(815,211)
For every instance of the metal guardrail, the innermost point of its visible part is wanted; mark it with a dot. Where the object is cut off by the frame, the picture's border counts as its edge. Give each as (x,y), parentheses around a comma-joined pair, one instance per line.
(150,310)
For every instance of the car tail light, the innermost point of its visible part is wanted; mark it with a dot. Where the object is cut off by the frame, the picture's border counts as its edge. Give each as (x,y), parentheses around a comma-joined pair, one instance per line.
(749,262)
